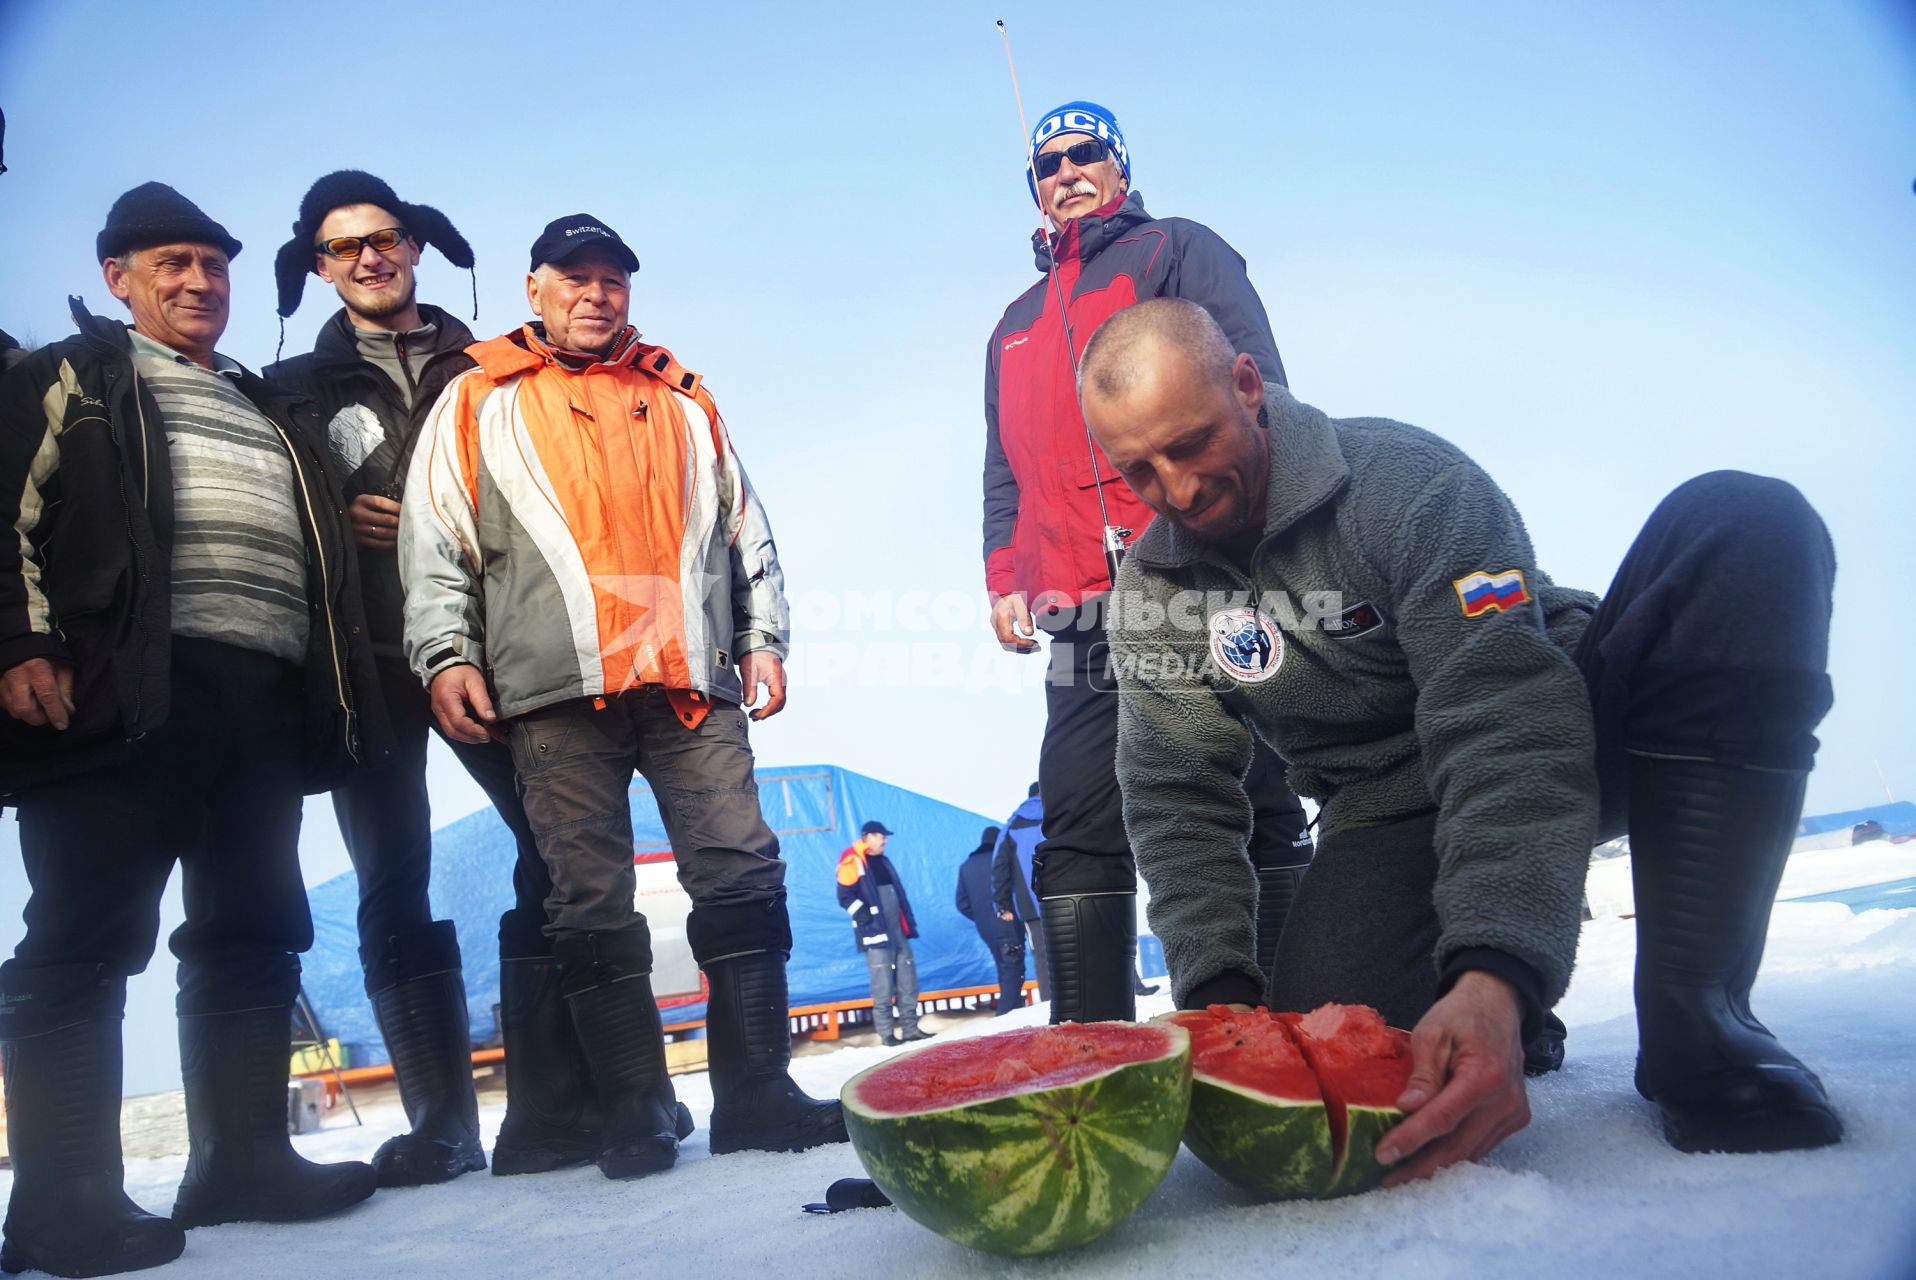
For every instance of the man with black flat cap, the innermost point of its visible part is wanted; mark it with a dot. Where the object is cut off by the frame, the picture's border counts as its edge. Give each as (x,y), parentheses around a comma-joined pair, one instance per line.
(183,659)
(375,370)
(589,572)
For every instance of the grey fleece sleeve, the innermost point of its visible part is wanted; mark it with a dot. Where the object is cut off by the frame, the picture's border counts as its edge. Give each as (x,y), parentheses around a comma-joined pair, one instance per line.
(1503,722)
(1182,756)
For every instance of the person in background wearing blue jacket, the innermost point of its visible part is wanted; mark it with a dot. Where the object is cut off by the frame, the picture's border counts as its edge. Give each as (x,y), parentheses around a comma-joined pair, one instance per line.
(870,890)
(1011,879)
(1011,887)
(1000,933)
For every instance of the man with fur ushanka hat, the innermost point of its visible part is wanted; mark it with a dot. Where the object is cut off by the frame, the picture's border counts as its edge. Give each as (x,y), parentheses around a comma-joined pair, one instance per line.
(375,369)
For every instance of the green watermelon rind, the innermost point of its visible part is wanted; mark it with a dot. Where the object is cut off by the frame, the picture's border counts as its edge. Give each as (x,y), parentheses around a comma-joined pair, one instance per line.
(1031,1173)
(1361,1170)
(1235,1131)
(1276,1148)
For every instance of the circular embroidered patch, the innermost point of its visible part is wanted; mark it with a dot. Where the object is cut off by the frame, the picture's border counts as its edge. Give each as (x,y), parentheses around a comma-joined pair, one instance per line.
(1246,645)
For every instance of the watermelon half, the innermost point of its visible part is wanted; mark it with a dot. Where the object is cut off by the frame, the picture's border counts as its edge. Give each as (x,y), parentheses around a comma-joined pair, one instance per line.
(1290,1106)
(1029,1141)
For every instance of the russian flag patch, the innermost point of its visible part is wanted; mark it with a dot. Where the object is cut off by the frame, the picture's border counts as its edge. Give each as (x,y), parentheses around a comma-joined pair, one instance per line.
(1481,592)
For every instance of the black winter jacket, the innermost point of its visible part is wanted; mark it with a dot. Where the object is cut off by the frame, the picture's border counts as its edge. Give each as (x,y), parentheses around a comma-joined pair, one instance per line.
(974,899)
(335,376)
(86,485)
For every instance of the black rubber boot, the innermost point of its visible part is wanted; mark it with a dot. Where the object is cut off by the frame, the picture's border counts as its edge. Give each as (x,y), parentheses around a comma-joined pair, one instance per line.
(552,1107)
(69,1214)
(1276,891)
(1092,939)
(756,1105)
(606,979)
(1708,843)
(426,1031)
(241,1166)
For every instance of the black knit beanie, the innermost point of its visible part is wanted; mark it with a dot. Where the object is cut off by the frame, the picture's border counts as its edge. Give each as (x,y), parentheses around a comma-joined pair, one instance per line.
(154,213)
(425,224)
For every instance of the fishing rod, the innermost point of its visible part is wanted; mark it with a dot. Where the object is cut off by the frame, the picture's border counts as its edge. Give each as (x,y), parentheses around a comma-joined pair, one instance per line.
(1114,536)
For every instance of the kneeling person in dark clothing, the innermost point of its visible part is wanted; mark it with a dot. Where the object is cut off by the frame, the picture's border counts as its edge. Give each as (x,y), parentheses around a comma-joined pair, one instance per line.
(1366,599)
(184,659)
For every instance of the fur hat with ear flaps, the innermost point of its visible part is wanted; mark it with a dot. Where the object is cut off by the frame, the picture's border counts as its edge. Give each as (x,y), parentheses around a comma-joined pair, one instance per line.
(425,224)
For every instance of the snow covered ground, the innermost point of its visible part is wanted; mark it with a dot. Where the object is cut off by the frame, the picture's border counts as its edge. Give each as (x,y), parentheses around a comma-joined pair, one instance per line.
(1589,1190)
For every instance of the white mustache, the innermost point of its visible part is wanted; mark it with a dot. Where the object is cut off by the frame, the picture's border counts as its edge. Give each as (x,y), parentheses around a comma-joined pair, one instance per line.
(1081,187)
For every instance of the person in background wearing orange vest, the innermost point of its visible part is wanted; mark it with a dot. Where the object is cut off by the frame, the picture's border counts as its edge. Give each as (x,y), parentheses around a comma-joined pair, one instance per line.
(870,890)
(588,571)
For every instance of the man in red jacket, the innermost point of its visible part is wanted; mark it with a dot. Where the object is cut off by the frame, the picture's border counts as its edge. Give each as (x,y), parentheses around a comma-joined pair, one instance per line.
(1049,498)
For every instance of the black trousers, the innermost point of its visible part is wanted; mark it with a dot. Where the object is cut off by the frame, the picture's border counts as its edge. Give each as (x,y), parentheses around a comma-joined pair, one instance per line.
(1085,849)
(1710,644)
(217,789)
(385,818)
(1007,947)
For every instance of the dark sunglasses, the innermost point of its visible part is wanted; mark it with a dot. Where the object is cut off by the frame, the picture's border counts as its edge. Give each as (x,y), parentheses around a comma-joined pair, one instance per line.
(348,247)
(1088,152)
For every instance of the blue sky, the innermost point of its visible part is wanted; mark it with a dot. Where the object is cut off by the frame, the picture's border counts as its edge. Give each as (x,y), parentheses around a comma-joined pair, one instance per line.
(1603,247)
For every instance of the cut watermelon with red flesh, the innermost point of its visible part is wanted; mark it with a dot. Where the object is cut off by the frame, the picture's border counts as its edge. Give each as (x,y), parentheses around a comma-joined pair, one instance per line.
(1257,1114)
(1028,1141)
(1363,1065)
(1291,1106)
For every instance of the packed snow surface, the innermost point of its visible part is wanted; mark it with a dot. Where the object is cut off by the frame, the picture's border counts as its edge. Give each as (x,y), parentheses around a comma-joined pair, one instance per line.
(1588,1190)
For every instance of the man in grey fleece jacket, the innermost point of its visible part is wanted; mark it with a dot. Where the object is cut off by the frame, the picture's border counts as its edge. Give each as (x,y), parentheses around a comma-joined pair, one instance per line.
(1364,597)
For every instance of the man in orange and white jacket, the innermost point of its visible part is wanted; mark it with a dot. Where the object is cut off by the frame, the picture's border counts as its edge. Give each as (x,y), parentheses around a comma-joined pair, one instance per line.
(589,574)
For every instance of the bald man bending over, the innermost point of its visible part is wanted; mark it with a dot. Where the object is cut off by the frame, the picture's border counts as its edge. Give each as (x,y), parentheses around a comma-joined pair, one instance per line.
(1362,596)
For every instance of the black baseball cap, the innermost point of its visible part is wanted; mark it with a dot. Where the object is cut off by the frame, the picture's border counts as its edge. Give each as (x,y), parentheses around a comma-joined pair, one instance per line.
(566,236)
(874,828)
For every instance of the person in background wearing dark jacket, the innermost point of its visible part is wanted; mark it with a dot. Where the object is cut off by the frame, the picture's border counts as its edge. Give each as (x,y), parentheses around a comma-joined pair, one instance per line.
(375,371)
(1011,880)
(1472,730)
(1001,935)
(870,890)
(1049,497)
(184,658)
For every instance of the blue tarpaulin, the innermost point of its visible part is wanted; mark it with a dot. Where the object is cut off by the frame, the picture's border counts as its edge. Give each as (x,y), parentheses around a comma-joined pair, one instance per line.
(815,810)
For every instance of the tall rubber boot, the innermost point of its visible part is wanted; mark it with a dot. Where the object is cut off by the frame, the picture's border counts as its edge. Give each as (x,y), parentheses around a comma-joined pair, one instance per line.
(425,1027)
(1093,943)
(241,1166)
(1708,843)
(1276,890)
(756,1106)
(607,983)
(69,1214)
(552,1107)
